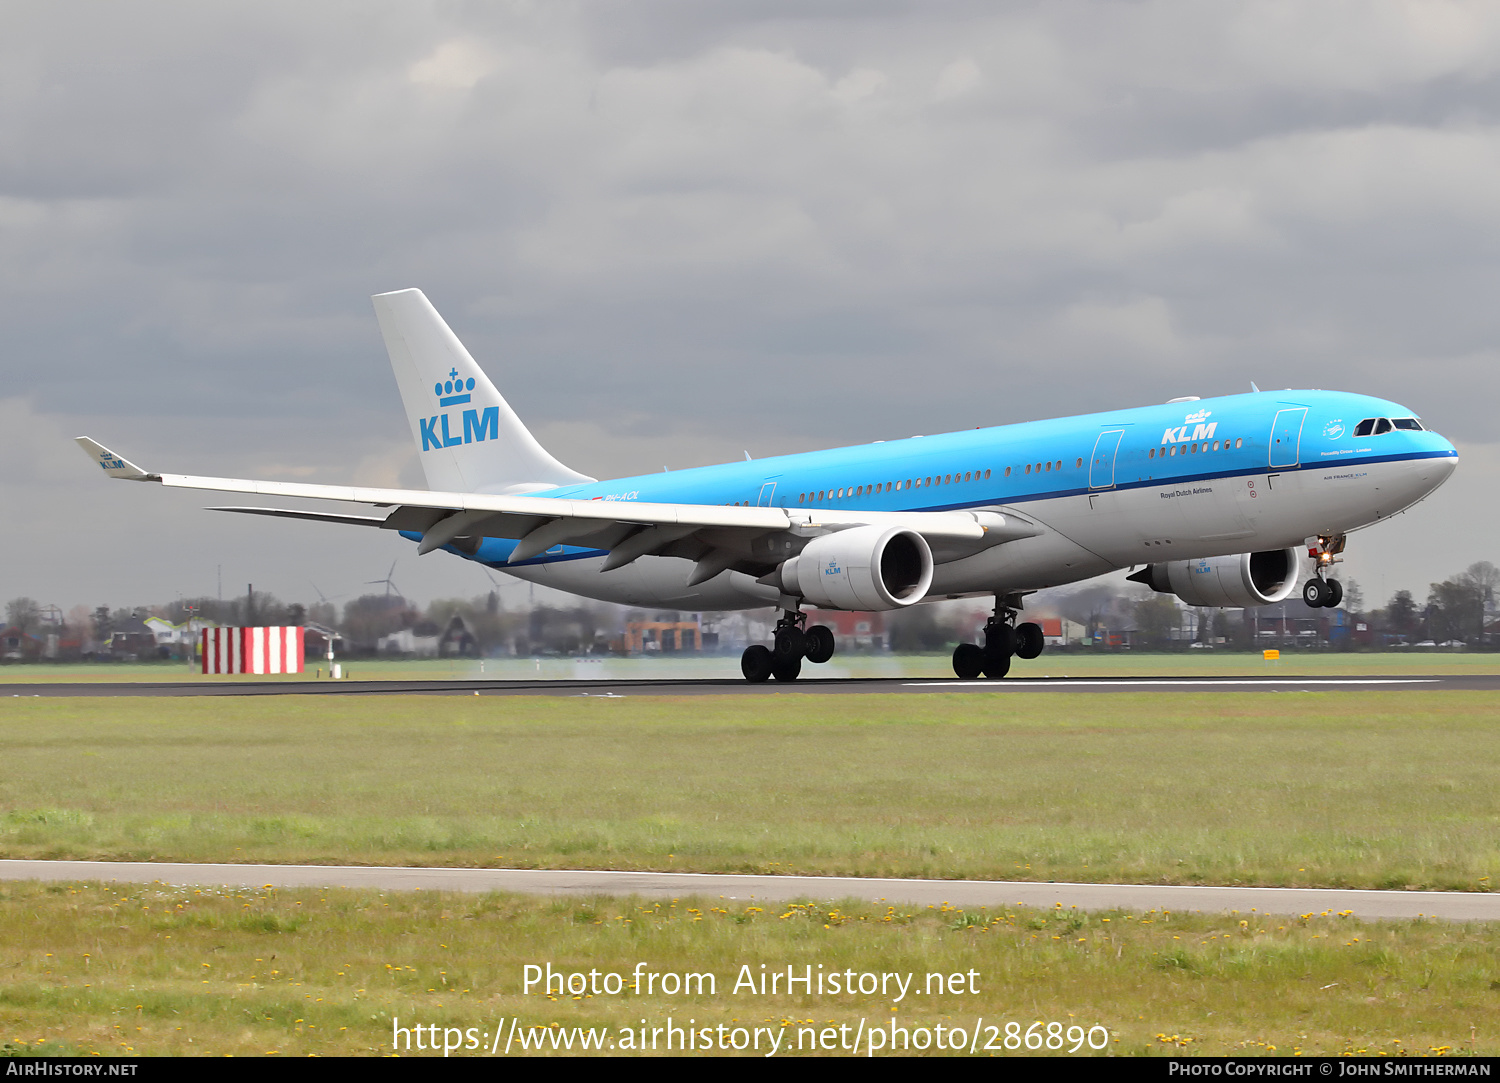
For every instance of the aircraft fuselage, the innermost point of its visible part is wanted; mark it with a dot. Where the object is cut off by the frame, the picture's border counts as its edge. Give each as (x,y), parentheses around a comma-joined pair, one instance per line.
(1177,481)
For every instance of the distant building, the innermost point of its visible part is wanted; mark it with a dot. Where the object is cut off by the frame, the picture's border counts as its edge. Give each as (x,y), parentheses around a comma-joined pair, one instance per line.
(852,629)
(647,636)
(19,646)
(420,641)
(457,641)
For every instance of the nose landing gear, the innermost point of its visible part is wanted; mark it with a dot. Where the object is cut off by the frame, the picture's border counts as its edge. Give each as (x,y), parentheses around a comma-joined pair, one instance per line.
(1324,592)
(791,643)
(1003,639)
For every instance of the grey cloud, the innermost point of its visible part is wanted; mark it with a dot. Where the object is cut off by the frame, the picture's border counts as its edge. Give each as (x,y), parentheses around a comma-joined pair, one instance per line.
(717,226)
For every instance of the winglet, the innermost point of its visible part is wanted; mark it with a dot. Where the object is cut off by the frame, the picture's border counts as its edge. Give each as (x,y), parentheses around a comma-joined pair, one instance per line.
(112,464)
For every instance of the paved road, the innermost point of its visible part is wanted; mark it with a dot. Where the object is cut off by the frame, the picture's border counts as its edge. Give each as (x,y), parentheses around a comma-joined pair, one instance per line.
(1369,905)
(209,687)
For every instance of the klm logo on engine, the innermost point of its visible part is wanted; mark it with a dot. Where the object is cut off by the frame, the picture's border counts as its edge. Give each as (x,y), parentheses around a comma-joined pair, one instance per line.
(477,425)
(1195,422)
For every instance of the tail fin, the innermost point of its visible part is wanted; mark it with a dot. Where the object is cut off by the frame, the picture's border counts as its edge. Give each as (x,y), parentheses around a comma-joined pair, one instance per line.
(469,439)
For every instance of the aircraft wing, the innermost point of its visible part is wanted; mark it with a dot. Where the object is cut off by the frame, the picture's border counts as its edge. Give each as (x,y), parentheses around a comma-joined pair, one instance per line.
(716,536)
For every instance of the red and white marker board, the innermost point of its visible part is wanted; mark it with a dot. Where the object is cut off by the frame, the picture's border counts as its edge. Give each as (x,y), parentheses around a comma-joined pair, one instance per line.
(252,650)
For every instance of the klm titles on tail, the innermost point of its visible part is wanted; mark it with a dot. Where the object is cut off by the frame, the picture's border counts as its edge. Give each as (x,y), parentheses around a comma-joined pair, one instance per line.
(477,424)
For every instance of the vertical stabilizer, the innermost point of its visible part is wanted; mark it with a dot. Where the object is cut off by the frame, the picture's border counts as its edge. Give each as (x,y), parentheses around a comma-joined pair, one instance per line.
(468,437)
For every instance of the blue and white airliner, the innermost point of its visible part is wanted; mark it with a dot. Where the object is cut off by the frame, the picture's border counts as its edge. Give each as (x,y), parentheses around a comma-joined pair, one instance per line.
(1212,499)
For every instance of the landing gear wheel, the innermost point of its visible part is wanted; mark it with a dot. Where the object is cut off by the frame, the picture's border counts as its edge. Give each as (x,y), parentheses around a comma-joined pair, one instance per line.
(1315,593)
(999,639)
(1335,593)
(819,644)
(786,669)
(968,661)
(996,665)
(1029,640)
(756,663)
(791,642)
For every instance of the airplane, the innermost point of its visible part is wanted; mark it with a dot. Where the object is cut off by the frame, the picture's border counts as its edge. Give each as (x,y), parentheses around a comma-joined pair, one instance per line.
(1211,500)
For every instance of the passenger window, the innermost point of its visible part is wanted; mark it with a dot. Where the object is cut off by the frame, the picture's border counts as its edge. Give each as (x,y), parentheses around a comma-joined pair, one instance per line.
(1028,468)
(986,475)
(1080,462)
(1007,471)
(1239,442)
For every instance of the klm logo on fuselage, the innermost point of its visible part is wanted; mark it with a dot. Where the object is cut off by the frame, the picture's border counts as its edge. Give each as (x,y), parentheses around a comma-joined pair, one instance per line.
(1200,431)
(478,424)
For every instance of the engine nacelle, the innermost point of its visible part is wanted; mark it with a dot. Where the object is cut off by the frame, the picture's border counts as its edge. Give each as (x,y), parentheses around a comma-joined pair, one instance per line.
(1247,579)
(864,568)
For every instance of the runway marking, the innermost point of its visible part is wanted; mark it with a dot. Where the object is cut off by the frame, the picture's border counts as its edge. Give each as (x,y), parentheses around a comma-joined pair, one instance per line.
(1176,682)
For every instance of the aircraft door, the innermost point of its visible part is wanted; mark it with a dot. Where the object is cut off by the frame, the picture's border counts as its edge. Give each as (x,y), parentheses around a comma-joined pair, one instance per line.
(767,494)
(1286,436)
(1102,465)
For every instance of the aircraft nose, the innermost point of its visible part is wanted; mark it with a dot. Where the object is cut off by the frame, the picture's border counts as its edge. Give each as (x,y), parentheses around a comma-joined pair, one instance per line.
(1443,465)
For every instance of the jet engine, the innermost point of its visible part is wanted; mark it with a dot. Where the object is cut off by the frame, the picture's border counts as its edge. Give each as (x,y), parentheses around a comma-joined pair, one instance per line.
(863,568)
(1247,579)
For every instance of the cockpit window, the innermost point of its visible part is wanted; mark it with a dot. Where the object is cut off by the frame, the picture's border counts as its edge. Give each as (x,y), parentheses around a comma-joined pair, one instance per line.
(1376,426)
(1409,423)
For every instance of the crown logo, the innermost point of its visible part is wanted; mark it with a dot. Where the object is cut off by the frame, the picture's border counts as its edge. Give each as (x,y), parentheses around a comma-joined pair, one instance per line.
(452,391)
(1201,415)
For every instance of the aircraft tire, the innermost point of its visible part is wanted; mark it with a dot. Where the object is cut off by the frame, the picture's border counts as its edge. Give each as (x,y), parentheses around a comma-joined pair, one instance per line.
(996,664)
(820,644)
(756,663)
(790,643)
(1030,640)
(968,661)
(1315,593)
(1000,638)
(1335,594)
(787,669)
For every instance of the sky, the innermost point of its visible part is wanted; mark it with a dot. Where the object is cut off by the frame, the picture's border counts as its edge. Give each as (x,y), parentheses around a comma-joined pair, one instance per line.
(674,232)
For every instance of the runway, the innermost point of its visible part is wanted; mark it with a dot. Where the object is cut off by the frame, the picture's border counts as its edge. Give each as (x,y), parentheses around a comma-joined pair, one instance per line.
(1365,905)
(728,687)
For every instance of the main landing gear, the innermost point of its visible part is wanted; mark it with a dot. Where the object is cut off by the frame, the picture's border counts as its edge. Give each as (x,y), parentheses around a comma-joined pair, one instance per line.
(1003,639)
(1323,592)
(783,660)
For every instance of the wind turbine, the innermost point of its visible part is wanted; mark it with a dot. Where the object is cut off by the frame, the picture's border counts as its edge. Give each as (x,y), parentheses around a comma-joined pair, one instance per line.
(390,584)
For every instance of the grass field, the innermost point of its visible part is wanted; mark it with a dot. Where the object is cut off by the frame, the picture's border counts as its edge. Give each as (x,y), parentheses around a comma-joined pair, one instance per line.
(1353,789)
(684,666)
(1365,789)
(157,970)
